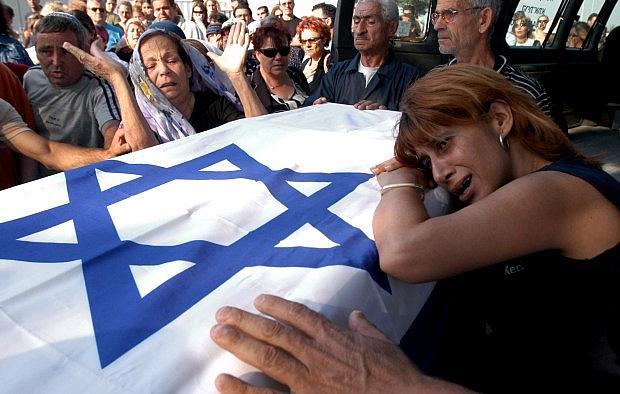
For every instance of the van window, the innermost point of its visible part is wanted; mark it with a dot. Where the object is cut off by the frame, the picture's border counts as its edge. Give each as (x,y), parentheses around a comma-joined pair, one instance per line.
(531,22)
(413,21)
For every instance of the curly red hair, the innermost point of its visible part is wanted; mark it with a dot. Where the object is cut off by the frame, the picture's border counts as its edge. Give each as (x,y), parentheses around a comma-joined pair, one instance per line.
(315,24)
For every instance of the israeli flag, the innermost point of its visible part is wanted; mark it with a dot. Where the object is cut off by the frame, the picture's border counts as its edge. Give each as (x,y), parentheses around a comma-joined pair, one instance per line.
(111,274)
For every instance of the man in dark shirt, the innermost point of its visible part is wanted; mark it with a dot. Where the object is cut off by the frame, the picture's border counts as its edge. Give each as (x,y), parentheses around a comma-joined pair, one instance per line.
(289,19)
(374,78)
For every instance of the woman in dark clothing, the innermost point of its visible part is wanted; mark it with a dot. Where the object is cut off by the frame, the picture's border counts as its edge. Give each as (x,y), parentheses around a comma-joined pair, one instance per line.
(11,50)
(313,35)
(527,270)
(278,86)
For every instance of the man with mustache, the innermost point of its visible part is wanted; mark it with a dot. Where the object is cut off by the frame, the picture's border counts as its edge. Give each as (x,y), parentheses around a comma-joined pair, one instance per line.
(70,104)
(374,78)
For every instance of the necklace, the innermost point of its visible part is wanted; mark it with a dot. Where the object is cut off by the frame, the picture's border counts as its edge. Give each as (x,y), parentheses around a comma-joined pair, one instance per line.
(277,86)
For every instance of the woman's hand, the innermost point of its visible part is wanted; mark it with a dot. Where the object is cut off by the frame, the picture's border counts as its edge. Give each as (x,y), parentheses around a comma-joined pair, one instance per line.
(393,171)
(309,354)
(388,165)
(97,61)
(232,61)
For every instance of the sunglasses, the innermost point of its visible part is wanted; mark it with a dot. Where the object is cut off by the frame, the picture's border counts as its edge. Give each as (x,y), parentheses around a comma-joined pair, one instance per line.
(95,9)
(310,40)
(198,12)
(272,52)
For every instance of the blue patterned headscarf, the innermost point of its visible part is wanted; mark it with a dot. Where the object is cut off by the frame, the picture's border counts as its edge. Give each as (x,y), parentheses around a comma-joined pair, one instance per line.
(163,117)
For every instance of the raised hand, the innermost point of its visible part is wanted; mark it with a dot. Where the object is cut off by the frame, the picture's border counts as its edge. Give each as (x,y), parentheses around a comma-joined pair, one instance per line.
(97,61)
(232,61)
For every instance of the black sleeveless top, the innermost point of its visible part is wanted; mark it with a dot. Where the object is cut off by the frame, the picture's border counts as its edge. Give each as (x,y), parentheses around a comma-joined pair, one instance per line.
(536,323)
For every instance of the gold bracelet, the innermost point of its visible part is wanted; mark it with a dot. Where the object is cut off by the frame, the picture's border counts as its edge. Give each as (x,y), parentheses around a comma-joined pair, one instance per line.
(407,184)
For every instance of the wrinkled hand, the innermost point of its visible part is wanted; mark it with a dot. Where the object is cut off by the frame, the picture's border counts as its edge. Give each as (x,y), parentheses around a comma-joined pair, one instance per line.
(368,105)
(232,61)
(97,61)
(388,165)
(119,145)
(309,354)
(319,101)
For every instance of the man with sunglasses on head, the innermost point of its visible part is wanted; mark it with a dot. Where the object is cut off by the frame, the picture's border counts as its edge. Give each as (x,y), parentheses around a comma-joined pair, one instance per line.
(464,29)
(374,78)
(98,14)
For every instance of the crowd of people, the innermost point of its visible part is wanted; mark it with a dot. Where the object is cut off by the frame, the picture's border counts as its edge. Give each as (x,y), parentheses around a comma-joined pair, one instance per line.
(534,221)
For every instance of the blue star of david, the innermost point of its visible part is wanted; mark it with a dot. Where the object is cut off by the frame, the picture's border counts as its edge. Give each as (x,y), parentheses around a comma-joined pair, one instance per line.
(121,318)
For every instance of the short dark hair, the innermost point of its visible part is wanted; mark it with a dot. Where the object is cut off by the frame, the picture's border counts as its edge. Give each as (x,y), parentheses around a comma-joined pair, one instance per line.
(243,6)
(329,10)
(60,22)
(263,7)
(272,28)
(5,29)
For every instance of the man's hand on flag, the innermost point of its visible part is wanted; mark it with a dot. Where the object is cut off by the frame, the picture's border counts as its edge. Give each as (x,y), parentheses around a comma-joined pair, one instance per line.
(310,354)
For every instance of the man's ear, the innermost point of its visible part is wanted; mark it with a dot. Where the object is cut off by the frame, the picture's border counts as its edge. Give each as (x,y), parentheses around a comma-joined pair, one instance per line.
(392,27)
(501,117)
(485,19)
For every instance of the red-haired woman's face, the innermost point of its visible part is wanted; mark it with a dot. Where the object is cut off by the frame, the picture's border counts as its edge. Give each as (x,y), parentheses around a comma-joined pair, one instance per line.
(312,43)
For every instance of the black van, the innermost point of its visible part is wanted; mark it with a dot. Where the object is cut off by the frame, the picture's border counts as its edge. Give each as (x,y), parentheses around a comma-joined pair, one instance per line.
(578,66)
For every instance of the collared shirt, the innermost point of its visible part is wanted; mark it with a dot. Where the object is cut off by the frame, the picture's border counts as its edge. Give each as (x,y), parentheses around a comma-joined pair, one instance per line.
(344,84)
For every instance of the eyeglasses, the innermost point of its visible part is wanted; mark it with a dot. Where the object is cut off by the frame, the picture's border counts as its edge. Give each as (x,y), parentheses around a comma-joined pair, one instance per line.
(95,9)
(310,40)
(520,24)
(278,15)
(271,52)
(449,14)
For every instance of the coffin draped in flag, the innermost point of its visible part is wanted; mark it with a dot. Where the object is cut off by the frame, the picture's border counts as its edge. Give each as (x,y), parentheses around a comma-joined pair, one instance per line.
(111,274)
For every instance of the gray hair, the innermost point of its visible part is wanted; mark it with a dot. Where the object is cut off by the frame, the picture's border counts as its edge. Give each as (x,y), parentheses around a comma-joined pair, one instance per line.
(60,22)
(389,8)
(494,5)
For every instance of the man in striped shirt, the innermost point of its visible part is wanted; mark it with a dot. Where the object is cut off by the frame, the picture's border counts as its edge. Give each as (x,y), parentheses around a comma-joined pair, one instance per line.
(70,103)
(464,29)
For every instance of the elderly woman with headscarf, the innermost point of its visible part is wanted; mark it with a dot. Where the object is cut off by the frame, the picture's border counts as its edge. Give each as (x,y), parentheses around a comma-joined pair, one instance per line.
(279,87)
(177,92)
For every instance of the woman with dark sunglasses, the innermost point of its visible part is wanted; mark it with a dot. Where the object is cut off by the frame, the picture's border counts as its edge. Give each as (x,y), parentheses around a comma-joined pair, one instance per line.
(278,86)
(200,17)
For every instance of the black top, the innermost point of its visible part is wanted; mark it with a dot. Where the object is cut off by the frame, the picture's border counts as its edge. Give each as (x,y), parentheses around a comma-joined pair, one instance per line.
(211,110)
(541,322)
(320,70)
(264,94)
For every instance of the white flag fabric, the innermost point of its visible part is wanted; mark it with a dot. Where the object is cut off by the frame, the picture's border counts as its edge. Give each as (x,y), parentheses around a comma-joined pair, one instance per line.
(111,274)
